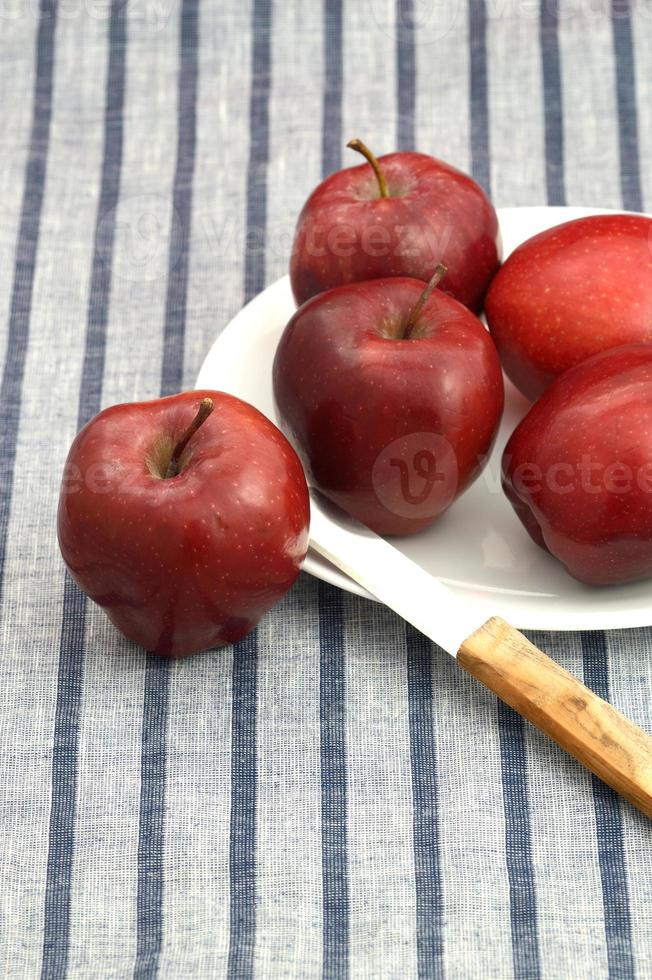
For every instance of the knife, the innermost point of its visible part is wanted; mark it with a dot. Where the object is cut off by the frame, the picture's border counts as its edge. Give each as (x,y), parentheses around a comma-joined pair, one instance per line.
(493,652)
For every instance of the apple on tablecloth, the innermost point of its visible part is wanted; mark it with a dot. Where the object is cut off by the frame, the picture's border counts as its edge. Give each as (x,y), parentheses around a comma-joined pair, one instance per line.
(185,518)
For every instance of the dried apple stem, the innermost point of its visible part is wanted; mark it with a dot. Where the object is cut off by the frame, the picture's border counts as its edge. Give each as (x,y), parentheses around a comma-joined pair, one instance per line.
(437,277)
(360,147)
(206,406)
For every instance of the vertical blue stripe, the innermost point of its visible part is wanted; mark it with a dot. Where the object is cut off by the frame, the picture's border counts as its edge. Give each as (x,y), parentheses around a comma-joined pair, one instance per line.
(332,695)
(609,829)
(26,251)
(56,928)
(332,720)
(406,81)
(423,761)
(630,176)
(261,78)
(151,830)
(56,912)
(518,849)
(552,102)
(518,845)
(90,395)
(156,695)
(242,848)
(479,94)
(331,146)
(181,218)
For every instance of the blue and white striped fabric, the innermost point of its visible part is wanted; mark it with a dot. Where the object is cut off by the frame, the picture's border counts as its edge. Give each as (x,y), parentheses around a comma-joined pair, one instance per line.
(331,797)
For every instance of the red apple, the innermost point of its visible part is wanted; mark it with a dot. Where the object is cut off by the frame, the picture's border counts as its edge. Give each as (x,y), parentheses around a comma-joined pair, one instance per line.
(184,523)
(578,468)
(400,216)
(574,290)
(393,396)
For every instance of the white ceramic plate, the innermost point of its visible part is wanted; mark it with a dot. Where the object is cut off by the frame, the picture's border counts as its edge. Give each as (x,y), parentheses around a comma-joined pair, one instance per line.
(478,547)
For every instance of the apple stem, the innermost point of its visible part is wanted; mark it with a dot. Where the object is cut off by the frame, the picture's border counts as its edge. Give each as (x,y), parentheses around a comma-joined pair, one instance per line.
(437,277)
(206,406)
(360,147)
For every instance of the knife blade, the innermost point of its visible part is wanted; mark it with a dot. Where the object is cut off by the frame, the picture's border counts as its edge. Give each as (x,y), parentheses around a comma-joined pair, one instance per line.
(390,576)
(493,652)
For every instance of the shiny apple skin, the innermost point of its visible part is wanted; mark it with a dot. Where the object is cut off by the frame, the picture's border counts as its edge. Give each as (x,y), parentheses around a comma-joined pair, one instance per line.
(348,394)
(591,422)
(570,292)
(347,233)
(194,561)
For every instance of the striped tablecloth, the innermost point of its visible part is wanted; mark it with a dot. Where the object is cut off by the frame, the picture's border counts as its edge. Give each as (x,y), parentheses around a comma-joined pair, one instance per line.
(332,797)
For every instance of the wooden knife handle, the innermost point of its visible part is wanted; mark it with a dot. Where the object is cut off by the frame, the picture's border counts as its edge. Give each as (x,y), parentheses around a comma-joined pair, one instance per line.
(559,704)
